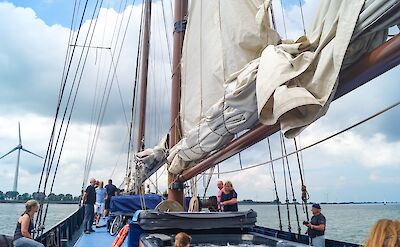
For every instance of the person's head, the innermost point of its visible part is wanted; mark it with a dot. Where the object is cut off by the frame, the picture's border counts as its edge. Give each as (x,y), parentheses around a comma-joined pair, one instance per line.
(228,187)
(220,184)
(101,184)
(182,240)
(385,232)
(110,181)
(316,209)
(31,207)
(92,181)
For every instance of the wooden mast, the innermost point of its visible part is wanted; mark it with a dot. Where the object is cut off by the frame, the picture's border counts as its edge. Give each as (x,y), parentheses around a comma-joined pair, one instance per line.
(144,65)
(175,190)
(381,59)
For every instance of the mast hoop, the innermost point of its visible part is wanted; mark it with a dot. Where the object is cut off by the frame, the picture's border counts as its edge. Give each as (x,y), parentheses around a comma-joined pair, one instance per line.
(180,26)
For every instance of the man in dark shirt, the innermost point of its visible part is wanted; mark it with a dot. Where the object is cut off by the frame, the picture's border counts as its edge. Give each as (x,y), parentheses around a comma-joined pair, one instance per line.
(316,227)
(89,198)
(112,190)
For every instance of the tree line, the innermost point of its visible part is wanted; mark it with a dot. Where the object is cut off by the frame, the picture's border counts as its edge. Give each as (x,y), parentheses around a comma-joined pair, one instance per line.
(15,195)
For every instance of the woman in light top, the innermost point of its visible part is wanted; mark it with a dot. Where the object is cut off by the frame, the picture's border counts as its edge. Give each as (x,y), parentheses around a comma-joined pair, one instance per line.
(22,235)
(229,198)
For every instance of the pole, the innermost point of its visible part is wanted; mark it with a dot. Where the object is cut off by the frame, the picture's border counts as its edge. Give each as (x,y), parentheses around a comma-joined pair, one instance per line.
(381,59)
(144,65)
(15,186)
(175,191)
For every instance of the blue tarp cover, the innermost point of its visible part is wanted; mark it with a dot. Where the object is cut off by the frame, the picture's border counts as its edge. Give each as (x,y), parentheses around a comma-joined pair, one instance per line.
(129,204)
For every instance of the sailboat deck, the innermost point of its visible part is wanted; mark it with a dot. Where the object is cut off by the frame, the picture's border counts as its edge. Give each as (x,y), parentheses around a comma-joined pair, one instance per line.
(100,238)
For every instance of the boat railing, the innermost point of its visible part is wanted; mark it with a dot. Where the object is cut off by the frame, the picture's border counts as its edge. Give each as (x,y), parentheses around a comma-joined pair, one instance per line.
(65,232)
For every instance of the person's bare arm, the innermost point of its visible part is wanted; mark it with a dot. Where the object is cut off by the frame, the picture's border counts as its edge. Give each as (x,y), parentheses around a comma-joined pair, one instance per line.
(84,198)
(320,227)
(231,201)
(25,226)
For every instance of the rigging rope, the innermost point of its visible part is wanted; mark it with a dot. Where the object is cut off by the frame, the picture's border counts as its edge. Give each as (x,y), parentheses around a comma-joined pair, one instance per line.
(49,154)
(302,17)
(304,193)
(286,190)
(291,186)
(284,21)
(107,91)
(275,187)
(135,88)
(72,106)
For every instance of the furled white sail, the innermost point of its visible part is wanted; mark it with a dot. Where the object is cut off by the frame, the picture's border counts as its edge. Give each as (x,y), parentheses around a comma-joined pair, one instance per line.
(221,38)
(292,83)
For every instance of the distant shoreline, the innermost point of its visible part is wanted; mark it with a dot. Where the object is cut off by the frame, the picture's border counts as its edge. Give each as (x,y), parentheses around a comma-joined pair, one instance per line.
(51,202)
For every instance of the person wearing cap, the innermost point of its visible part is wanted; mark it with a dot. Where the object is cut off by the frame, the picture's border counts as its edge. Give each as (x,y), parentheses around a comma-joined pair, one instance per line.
(316,227)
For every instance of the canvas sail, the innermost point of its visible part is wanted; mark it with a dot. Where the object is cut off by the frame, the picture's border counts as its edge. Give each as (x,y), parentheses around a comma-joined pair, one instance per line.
(221,38)
(292,83)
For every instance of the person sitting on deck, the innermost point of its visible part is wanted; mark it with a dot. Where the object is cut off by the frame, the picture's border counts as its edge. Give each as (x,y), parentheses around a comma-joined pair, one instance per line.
(101,194)
(385,233)
(22,235)
(89,198)
(220,186)
(182,240)
(229,198)
(316,228)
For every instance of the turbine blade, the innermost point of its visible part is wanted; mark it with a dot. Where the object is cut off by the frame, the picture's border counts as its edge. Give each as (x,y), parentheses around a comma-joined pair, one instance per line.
(12,150)
(31,153)
(19,132)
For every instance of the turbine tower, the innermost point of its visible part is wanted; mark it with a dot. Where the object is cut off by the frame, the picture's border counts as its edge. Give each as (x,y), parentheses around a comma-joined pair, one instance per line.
(19,148)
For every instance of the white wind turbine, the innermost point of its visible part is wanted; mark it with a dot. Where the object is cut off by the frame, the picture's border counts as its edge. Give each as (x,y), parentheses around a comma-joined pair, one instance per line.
(19,148)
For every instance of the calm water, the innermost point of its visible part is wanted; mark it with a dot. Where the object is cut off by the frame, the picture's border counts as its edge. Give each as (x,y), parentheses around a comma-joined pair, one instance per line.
(349,223)
(10,212)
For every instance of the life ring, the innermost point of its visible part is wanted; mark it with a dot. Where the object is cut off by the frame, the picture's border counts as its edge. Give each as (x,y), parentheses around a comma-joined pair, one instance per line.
(119,240)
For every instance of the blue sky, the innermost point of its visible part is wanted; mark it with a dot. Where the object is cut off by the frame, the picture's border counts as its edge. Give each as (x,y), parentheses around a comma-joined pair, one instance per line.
(359,166)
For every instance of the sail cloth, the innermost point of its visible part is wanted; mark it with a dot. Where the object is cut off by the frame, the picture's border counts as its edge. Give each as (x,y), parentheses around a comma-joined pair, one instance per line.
(221,38)
(292,82)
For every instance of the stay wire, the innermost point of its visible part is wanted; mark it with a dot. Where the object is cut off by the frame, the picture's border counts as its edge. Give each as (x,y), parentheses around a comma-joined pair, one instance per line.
(104,102)
(95,101)
(96,131)
(286,190)
(71,92)
(304,193)
(283,17)
(302,17)
(275,187)
(135,88)
(62,88)
(73,103)
(291,185)
(50,145)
